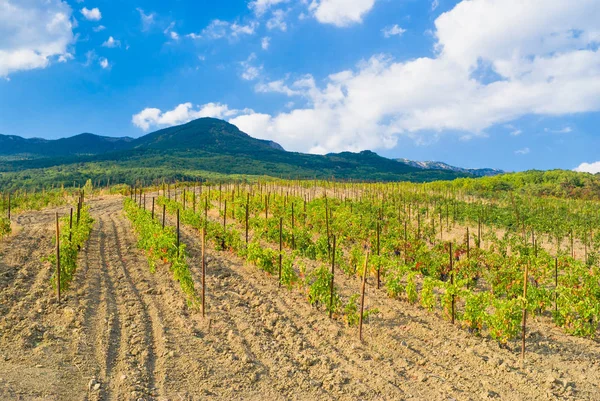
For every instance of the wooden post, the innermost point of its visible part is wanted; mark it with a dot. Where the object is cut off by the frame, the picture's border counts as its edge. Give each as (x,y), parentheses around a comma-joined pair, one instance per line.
(164,215)
(524,322)
(78,210)
(332,278)
(378,253)
(206,209)
(293,239)
(280,247)
(177,232)
(153,208)
(405,241)
(71,226)
(468,245)
(225,217)
(57,258)
(247,202)
(203,270)
(479,232)
(555,285)
(362,296)
(452,282)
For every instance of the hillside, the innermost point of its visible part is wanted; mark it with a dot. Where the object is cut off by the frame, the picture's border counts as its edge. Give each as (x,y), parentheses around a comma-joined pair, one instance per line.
(189,151)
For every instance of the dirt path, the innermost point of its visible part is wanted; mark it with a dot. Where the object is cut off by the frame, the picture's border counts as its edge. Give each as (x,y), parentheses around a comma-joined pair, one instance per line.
(124,333)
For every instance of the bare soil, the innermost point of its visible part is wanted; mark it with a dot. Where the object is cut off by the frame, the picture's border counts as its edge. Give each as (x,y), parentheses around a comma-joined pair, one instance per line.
(123,333)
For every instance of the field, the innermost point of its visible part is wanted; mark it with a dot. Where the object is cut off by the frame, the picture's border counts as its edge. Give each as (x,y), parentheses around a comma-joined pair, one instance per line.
(470,293)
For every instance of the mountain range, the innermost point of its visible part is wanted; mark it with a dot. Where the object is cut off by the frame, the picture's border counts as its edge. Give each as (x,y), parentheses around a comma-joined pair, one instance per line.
(205,145)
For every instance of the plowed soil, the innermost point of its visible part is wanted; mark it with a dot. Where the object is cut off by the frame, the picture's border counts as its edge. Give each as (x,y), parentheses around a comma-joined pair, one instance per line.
(123,333)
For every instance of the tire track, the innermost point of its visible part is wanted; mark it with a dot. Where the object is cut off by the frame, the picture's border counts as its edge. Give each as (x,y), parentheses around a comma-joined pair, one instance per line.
(151,326)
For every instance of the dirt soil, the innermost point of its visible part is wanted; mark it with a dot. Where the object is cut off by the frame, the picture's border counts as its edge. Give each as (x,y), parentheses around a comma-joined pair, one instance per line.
(123,333)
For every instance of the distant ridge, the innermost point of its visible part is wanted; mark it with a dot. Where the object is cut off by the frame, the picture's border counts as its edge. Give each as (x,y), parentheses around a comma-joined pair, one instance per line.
(431,165)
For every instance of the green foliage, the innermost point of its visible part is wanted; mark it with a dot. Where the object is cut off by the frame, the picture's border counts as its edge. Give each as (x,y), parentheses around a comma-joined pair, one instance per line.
(504,322)
(411,288)
(352,311)
(264,258)
(69,247)
(475,313)
(319,291)
(161,245)
(4,227)
(428,297)
(289,277)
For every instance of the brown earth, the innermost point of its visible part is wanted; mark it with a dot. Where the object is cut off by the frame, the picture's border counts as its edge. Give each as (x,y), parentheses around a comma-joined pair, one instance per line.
(123,333)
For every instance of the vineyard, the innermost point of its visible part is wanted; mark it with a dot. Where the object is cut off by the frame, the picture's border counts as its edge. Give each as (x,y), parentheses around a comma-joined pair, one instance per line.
(273,286)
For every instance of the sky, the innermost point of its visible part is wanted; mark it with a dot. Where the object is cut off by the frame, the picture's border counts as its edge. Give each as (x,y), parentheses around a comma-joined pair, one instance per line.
(508,84)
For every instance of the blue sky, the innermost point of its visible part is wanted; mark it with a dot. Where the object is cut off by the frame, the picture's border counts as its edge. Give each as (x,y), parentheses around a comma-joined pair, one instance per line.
(508,84)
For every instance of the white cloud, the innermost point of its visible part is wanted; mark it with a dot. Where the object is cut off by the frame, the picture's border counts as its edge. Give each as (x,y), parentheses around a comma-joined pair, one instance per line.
(547,64)
(250,71)
(523,151)
(394,30)
(277,21)
(593,168)
(238,30)
(90,57)
(174,35)
(261,6)
(340,12)
(566,130)
(219,29)
(265,43)
(98,28)
(435,4)
(111,43)
(516,132)
(33,33)
(147,19)
(63,58)
(152,118)
(103,63)
(91,15)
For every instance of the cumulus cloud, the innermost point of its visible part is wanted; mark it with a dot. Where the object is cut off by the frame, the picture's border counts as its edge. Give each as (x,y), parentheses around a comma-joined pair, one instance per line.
(261,6)
(340,12)
(219,29)
(151,117)
(98,28)
(393,30)
(548,64)
(91,15)
(111,42)
(593,168)
(265,43)
(277,21)
(147,19)
(249,71)
(104,63)
(33,33)
(565,130)
(523,151)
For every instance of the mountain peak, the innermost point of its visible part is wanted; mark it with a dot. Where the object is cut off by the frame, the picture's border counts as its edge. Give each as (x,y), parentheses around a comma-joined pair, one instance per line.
(433,165)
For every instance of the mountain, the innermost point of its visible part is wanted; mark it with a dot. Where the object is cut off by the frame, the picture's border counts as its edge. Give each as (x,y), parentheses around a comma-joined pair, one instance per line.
(430,165)
(201,148)
(82,144)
